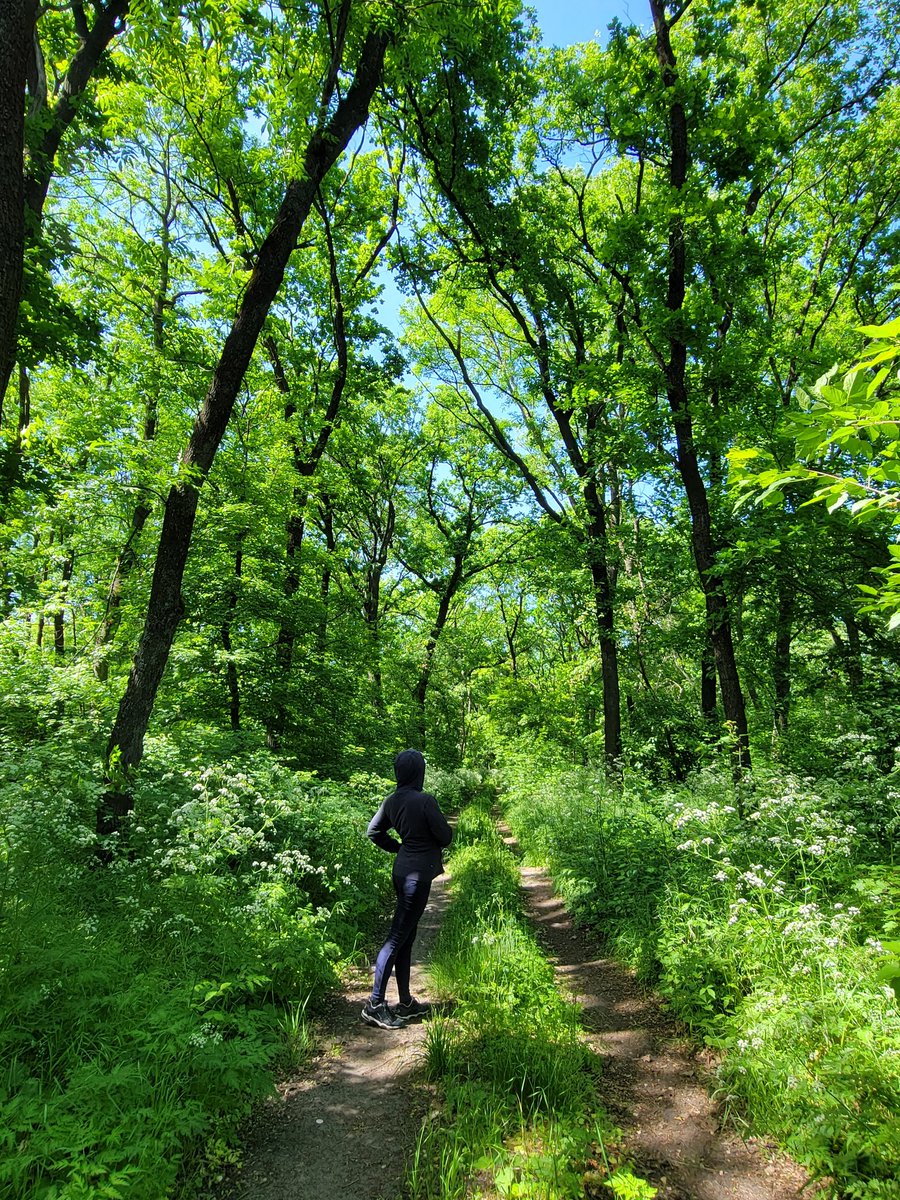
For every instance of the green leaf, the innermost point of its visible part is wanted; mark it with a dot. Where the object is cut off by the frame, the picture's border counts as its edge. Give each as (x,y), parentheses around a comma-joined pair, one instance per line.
(891,329)
(878,381)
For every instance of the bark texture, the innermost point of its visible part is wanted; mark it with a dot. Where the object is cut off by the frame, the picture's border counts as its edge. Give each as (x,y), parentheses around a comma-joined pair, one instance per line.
(702,540)
(16,33)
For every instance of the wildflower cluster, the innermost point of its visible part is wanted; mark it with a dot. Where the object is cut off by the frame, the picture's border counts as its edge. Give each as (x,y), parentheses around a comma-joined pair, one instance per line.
(762,913)
(153,993)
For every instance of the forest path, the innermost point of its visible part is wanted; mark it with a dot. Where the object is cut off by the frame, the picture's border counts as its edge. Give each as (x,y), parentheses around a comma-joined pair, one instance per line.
(344,1126)
(653,1083)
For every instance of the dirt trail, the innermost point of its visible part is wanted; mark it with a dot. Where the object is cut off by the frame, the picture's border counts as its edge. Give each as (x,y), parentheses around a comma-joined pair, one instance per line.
(653,1084)
(343,1128)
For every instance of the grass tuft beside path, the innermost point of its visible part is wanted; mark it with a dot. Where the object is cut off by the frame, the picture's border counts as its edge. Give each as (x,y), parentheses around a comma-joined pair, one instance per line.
(519,1116)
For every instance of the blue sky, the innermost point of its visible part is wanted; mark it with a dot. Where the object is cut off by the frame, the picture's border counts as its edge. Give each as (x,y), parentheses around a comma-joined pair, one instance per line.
(566,21)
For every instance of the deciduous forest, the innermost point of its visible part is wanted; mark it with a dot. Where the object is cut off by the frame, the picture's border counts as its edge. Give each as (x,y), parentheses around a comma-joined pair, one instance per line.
(373,375)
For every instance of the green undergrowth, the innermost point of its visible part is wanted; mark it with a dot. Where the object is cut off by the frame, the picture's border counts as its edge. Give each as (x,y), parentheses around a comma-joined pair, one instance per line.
(518,1115)
(766,914)
(147,1005)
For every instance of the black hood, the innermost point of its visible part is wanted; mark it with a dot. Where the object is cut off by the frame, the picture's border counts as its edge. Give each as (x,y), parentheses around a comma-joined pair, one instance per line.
(409,769)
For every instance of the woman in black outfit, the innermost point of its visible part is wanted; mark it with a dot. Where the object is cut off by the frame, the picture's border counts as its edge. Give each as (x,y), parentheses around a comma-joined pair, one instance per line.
(424,832)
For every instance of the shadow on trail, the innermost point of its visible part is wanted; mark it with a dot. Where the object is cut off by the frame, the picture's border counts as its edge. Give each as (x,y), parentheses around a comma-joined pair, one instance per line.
(344,1126)
(653,1083)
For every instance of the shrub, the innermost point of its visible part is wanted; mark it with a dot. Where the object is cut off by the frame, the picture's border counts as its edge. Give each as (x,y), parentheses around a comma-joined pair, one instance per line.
(144,1005)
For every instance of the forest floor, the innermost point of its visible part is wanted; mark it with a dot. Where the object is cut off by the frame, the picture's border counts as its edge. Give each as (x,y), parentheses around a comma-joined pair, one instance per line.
(344,1127)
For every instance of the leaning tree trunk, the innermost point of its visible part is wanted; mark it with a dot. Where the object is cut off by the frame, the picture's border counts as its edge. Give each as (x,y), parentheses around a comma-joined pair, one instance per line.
(718,615)
(165,607)
(109,23)
(23,195)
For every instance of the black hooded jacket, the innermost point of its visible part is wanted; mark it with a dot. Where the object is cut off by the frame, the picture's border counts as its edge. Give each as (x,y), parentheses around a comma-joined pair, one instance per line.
(416,816)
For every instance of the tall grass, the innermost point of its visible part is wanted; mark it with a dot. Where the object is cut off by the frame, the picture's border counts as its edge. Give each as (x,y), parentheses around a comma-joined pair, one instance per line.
(760,912)
(519,1115)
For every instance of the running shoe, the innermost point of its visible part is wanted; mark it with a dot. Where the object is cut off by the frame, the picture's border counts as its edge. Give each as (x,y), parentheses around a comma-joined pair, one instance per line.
(382,1016)
(409,1012)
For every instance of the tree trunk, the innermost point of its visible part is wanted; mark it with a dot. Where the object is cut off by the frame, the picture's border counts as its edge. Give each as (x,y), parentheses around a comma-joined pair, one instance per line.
(109,22)
(59,616)
(22,197)
(16,33)
(374,628)
(609,663)
(434,637)
(718,616)
(708,676)
(781,664)
(609,652)
(24,407)
(853,656)
(372,617)
(23,194)
(165,606)
(231,675)
(44,573)
(510,631)
(325,590)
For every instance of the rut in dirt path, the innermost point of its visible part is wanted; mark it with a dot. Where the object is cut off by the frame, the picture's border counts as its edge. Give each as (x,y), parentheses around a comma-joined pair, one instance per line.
(653,1084)
(345,1126)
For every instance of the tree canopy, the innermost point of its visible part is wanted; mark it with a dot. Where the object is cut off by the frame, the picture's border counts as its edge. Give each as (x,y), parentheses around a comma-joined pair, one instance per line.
(373,375)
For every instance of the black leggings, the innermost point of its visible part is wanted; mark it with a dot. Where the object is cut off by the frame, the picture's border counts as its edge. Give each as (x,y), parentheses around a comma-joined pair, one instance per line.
(396,953)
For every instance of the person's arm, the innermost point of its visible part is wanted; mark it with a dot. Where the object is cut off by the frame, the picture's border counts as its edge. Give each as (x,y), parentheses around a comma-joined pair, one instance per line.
(437,822)
(378,831)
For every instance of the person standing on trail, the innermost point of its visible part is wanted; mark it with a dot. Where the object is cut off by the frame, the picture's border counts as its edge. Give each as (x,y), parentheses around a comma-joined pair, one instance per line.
(424,833)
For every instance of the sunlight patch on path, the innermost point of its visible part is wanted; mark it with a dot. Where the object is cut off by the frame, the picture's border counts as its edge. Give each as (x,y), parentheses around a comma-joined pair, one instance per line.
(653,1082)
(344,1127)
